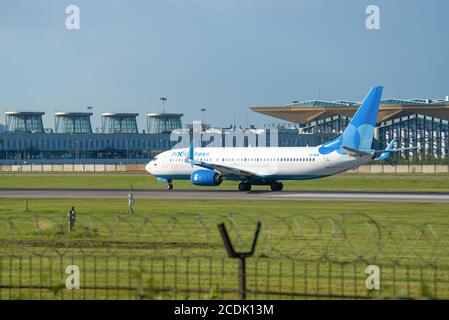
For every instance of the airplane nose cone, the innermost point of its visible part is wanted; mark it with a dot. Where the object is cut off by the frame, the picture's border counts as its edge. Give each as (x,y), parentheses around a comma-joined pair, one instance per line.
(148,167)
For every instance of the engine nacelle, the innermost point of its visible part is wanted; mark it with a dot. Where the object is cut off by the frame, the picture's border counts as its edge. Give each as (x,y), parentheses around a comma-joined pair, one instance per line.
(206,178)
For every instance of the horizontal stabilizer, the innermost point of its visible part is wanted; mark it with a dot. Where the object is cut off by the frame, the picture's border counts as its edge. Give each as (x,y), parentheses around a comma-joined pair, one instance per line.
(384,154)
(354,152)
(398,149)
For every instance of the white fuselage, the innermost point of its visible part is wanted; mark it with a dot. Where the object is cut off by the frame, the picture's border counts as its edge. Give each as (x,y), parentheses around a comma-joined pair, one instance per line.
(270,163)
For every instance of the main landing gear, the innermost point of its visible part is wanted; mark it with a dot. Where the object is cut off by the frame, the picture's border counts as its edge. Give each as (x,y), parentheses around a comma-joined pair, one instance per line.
(276,186)
(244,186)
(169,185)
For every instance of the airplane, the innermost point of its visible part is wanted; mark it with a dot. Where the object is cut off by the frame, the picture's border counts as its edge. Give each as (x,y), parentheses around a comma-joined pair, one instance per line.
(269,165)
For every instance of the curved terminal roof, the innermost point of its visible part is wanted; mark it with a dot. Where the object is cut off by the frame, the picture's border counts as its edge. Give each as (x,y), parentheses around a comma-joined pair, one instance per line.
(307,111)
(73,114)
(24,113)
(165,115)
(119,114)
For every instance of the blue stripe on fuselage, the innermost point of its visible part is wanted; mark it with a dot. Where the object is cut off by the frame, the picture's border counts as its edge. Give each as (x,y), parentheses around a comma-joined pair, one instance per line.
(252,179)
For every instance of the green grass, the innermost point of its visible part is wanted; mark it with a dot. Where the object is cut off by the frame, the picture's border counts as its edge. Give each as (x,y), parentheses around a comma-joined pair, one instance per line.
(304,246)
(142,181)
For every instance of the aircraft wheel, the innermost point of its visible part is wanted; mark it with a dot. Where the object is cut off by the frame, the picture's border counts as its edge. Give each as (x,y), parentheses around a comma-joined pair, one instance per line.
(277,186)
(281,186)
(244,186)
(170,186)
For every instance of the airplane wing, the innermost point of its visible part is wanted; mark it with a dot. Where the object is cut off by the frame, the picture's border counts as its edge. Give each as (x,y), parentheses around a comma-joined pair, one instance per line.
(225,170)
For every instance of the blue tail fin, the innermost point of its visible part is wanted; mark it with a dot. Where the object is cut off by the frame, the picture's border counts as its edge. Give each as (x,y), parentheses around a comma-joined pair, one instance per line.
(360,131)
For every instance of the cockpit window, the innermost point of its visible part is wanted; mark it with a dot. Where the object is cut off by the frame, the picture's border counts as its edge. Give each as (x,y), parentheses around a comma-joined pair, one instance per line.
(155,159)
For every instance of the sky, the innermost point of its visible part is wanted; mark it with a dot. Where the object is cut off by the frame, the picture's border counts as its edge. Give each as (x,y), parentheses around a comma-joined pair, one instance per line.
(222,55)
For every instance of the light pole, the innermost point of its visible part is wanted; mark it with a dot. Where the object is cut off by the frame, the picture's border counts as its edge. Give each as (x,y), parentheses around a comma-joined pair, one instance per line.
(163,99)
(203,113)
(89,108)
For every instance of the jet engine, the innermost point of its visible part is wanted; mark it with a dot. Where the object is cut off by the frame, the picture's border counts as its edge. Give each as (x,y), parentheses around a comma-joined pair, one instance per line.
(206,178)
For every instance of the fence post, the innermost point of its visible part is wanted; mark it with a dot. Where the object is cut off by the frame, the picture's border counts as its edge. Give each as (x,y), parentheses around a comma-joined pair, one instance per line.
(239,255)
(242,278)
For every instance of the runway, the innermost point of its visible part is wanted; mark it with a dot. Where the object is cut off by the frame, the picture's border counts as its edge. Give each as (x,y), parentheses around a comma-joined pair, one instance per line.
(225,195)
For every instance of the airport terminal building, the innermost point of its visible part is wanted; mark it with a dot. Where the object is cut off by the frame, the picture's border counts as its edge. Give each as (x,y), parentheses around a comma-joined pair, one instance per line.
(416,122)
(24,139)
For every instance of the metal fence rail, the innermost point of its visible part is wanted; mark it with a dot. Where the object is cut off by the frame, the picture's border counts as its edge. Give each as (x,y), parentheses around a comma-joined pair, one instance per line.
(182,257)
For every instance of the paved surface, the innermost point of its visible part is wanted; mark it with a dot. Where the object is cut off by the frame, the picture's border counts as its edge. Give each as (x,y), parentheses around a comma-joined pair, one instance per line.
(227,195)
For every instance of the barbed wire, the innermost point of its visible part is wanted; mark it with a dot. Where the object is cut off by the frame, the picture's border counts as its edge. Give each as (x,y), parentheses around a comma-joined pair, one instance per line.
(342,238)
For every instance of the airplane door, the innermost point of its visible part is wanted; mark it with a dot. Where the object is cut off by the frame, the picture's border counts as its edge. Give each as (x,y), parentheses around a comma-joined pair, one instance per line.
(266,166)
(327,162)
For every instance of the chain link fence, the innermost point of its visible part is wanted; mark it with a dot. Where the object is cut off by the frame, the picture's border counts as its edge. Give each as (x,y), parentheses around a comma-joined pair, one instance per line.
(182,256)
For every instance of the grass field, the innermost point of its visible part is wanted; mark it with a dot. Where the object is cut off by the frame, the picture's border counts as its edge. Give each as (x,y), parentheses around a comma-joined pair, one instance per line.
(143,181)
(319,248)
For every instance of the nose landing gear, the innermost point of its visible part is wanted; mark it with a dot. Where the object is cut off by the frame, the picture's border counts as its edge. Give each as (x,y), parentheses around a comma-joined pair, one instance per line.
(169,185)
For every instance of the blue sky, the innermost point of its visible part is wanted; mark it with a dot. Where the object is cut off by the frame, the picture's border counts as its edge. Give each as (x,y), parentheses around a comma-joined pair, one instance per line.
(224,55)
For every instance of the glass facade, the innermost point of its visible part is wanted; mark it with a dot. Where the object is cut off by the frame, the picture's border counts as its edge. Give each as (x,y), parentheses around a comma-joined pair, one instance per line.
(331,125)
(119,123)
(24,147)
(73,123)
(24,122)
(322,103)
(163,122)
(429,134)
